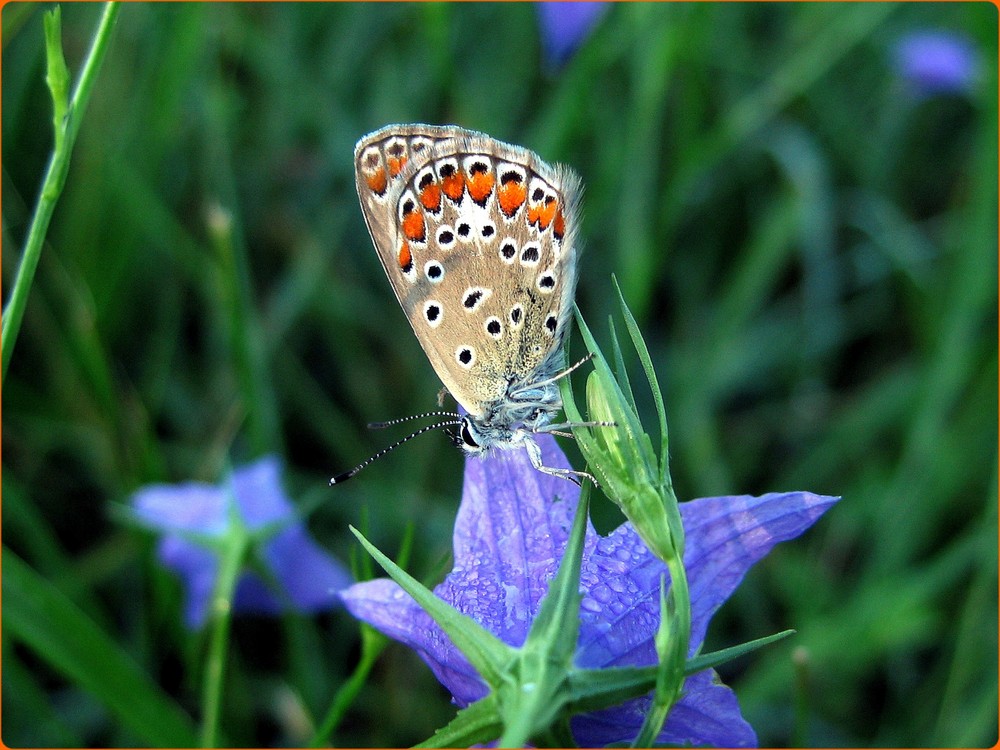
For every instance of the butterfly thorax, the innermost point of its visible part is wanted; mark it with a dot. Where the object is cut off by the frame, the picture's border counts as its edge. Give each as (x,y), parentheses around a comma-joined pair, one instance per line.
(525,409)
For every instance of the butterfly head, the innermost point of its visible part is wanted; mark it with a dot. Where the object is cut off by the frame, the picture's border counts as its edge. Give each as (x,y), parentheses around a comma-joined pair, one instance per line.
(476,437)
(505,424)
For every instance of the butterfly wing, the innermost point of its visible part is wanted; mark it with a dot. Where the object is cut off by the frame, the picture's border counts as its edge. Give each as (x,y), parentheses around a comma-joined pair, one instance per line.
(380,159)
(477,239)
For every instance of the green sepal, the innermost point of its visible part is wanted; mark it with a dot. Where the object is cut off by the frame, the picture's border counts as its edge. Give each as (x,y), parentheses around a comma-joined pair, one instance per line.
(536,691)
(594,689)
(489,655)
(530,685)
(475,724)
(621,371)
(715,658)
(557,624)
(654,386)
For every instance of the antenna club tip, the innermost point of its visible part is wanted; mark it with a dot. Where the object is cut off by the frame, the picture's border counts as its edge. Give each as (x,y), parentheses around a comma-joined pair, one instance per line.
(341,478)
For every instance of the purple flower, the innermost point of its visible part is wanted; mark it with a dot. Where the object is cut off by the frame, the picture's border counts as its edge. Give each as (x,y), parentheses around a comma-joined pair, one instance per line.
(936,62)
(510,534)
(565,26)
(309,578)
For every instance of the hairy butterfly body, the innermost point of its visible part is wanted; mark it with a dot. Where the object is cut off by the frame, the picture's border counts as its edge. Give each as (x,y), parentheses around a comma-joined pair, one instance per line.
(476,237)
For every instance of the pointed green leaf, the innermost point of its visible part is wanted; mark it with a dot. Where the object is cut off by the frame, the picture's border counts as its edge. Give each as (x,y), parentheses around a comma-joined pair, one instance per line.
(474,725)
(647,365)
(620,368)
(38,615)
(594,689)
(487,653)
(715,658)
(557,625)
(536,688)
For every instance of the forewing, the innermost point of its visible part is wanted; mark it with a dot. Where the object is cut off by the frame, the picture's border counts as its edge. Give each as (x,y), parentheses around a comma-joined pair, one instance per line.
(477,239)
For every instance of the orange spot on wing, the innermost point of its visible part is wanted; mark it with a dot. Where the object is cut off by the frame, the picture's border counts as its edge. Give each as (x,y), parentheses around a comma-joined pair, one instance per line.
(430,196)
(453,185)
(413,226)
(405,259)
(480,186)
(542,213)
(559,225)
(511,197)
(377,181)
(396,165)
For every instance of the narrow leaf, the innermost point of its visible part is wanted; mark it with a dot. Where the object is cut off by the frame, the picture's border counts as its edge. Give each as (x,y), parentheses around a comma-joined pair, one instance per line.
(39,615)
(487,653)
(594,689)
(557,624)
(476,724)
(620,368)
(647,365)
(715,658)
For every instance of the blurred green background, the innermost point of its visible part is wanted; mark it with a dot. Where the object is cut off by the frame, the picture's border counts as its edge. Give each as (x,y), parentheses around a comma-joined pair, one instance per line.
(808,240)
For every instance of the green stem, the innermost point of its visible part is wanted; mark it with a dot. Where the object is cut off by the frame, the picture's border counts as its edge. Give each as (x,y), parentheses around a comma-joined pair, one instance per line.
(245,334)
(233,556)
(518,725)
(674,636)
(373,643)
(55,178)
(800,698)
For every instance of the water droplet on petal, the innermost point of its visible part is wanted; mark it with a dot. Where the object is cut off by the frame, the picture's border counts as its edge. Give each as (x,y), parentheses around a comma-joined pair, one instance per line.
(601,593)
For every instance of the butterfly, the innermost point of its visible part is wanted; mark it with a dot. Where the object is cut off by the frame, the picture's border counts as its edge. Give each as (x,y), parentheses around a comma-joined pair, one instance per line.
(477,238)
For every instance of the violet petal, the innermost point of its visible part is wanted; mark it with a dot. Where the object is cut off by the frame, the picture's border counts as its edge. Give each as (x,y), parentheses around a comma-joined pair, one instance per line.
(509,537)
(565,26)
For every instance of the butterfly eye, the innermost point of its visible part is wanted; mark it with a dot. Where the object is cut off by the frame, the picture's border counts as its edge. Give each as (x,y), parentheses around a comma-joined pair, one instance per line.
(467,436)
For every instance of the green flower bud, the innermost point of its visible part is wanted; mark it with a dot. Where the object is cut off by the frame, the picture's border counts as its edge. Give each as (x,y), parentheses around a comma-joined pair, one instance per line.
(620,452)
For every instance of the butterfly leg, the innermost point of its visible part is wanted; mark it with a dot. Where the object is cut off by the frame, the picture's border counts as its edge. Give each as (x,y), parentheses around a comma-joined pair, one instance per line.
(535,456)
(554,428)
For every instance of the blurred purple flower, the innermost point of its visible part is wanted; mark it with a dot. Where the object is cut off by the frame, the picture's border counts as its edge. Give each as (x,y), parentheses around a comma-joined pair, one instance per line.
(565,26)
(311,579)
(936,61)
(509,538)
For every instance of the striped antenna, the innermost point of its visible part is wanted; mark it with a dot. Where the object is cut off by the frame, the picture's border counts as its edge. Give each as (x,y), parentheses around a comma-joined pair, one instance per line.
(400,420)
(343,477)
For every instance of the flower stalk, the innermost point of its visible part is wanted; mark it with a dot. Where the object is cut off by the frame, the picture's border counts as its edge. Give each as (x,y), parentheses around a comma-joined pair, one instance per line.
(240,546)
(67,117)
(637,479)
(235,547)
